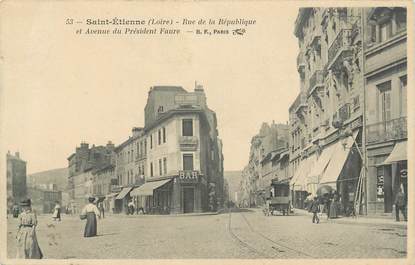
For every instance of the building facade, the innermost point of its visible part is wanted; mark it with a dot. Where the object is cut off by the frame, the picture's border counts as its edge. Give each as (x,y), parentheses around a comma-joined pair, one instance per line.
(271,139)
(86,159)
(184,161)
(16,179)
(130,167)
(386,106)
(44,199)
(326,117)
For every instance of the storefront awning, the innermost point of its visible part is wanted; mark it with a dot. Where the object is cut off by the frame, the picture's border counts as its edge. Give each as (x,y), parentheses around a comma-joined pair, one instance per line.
(322,162)
(123,193)
(147,188)
(298,182)
(398,153)
(337,161)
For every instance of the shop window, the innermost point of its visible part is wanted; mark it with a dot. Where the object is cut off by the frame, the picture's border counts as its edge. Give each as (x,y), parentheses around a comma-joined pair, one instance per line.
(187,127)
(380,194)
(187,161)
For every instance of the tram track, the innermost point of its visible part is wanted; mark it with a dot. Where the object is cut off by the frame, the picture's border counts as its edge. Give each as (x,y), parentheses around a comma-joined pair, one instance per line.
(273,249)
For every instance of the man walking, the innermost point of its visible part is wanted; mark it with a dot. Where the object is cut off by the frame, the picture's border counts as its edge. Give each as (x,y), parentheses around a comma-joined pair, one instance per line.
(400,205)
(315,209)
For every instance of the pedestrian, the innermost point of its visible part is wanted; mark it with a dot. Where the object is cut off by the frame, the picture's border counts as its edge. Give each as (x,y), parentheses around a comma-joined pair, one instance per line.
(131,207)
(15,211)
(333,207)
(57,212)
(315,209)
(101,209)
(27,244)
(90,213)
(400,205)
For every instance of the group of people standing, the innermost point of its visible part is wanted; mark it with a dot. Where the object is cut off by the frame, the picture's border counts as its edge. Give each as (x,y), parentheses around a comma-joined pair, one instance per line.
(327,203)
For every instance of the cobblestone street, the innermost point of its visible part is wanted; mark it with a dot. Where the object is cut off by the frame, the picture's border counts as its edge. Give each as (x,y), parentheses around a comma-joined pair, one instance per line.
(243,234)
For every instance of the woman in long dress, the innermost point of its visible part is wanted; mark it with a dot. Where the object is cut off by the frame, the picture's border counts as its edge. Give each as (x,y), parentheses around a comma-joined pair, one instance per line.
(27,245)
(57,212)
(333,207)
(91,212)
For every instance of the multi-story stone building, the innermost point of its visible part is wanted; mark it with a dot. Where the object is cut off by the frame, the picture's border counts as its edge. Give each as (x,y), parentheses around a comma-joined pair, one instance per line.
(44,198)
(184,163)
(16,179)
(82,164)
(270,139)
(130,166)
(275,167)
(326,117)
(386,106)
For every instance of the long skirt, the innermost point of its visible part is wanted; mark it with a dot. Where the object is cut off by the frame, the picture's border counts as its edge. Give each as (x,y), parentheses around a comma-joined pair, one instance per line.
(27,245)
(91,225)
(333,210)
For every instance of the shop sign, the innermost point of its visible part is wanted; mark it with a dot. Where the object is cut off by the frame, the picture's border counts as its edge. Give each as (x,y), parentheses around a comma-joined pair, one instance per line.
(188,176)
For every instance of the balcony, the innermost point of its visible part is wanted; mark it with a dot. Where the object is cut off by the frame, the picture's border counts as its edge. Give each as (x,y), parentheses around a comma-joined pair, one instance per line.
(188,143)
(316,81)
(386,131)
(340,48)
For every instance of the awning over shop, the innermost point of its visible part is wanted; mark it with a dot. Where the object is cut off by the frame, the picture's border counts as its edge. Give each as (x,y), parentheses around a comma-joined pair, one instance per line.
(111,195)
(398,153)
(123,193)
(147,188)
(298,182)
(337,161)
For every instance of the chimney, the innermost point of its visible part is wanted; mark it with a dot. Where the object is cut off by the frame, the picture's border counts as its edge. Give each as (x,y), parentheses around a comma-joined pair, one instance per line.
(17,154)
(110,145)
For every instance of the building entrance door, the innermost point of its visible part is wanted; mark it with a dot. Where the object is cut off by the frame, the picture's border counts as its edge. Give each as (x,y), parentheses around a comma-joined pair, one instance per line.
(188,200)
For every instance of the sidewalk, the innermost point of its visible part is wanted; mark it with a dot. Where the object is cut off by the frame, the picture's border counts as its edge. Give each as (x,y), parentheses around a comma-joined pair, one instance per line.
(360,220)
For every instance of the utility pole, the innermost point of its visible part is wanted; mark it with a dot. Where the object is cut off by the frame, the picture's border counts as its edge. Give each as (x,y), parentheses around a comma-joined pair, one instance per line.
(364,153)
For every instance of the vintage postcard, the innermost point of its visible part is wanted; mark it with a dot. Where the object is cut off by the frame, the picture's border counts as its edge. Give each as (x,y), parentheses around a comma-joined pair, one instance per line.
(270,132)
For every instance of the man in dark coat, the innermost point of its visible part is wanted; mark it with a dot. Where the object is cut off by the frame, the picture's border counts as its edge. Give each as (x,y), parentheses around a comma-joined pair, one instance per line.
(400,205)
(315,209)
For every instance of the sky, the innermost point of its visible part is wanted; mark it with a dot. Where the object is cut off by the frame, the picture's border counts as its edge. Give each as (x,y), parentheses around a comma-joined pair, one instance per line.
(58,89)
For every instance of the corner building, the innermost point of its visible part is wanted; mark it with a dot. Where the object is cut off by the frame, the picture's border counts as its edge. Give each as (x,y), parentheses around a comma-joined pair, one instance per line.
(184,161)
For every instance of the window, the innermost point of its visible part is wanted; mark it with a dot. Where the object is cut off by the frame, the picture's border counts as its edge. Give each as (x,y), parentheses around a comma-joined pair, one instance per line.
(187,161)
(151,141)
(165,165)
(385,31)
(401,20)
(151,169)
(160,168)
(403,97)
(145,146)
(164,134)
(159,137)
(384,102)
(187,127)
(132,155)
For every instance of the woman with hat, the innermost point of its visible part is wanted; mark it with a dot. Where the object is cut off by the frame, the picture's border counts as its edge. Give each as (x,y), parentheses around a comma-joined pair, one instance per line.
(90,213)
(27,245)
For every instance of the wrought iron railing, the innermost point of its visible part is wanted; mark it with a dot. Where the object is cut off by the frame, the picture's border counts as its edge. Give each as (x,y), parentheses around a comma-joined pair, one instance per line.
(389,130)
(342,40)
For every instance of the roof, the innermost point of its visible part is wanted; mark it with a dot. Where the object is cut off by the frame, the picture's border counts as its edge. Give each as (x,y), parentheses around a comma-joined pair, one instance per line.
(126,142)
(168,88)
(178,111)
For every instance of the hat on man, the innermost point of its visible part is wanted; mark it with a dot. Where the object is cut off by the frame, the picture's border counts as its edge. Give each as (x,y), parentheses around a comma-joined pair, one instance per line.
(25,202)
